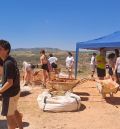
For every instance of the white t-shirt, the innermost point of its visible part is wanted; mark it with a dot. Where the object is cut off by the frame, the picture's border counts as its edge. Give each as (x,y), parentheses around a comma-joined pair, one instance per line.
(26,66)
(93,62)
(52,60)
(69,61)
(118,65)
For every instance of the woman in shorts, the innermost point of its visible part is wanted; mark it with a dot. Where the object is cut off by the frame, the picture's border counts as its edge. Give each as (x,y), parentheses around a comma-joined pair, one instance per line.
(45,66)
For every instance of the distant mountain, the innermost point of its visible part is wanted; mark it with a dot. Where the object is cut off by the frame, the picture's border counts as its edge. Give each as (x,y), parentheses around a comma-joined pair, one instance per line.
(37,49)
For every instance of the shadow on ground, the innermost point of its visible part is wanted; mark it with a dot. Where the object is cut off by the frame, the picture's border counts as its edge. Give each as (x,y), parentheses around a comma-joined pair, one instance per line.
(84,98)
(82,108)
(82,93)
(25,93)
(113,100)
(3,124)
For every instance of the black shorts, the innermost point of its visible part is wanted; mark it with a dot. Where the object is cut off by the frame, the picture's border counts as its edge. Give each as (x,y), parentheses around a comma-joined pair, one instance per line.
(54,65)
(110,71)
(45,67)
(101,72)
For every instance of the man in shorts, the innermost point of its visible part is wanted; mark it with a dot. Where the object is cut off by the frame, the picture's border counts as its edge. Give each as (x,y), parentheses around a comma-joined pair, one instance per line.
(10,89)
(70,64)
(101,64)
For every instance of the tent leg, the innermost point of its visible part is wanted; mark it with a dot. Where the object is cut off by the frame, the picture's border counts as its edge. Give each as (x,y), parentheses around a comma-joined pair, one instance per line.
(76,61)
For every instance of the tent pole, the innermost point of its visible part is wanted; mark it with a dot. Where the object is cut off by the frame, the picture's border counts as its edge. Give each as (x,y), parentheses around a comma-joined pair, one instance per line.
(76,60)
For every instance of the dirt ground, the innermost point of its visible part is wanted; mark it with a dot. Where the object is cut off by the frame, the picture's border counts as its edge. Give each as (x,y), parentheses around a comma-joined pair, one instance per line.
(95,113)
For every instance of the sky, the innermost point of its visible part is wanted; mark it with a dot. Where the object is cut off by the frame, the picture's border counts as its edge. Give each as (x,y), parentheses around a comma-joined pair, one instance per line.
(57,23)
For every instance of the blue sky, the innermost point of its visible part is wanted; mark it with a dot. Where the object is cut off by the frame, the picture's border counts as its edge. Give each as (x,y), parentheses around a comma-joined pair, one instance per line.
(57,23)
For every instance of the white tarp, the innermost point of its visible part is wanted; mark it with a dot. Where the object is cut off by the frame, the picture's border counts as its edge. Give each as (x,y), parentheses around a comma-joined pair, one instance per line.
(69,102)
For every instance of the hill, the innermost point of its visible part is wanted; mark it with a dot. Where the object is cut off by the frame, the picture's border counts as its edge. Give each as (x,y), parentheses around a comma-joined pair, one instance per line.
(37,49)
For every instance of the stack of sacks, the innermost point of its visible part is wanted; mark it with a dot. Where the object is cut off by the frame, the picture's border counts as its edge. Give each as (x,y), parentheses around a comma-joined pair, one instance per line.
(107,87)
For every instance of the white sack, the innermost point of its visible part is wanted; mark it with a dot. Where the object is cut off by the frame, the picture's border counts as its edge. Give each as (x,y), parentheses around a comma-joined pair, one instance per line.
(69,102)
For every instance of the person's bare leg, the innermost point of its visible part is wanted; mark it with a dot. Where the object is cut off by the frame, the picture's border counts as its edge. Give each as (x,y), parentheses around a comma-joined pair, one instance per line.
(44,77)
(70,73)
(48,75)
(25,78)
(11,122)
(92,75)
(29,77)
(18,117)
(70,76)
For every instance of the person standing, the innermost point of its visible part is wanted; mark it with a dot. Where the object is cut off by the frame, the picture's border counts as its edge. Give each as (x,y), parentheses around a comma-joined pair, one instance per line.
(1,68)
(28,70)
(117,54)
(117,70)
(53,62)
(1,72)
(10,89)
(45,67)
(70,64)
(101,64)
(93,64)
(111,62)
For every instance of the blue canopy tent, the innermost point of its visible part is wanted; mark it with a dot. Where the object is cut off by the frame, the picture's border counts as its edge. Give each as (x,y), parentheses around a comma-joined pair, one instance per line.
(109,42)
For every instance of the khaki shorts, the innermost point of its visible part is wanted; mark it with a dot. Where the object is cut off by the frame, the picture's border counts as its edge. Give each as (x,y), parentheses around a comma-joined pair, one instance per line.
(9,105)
